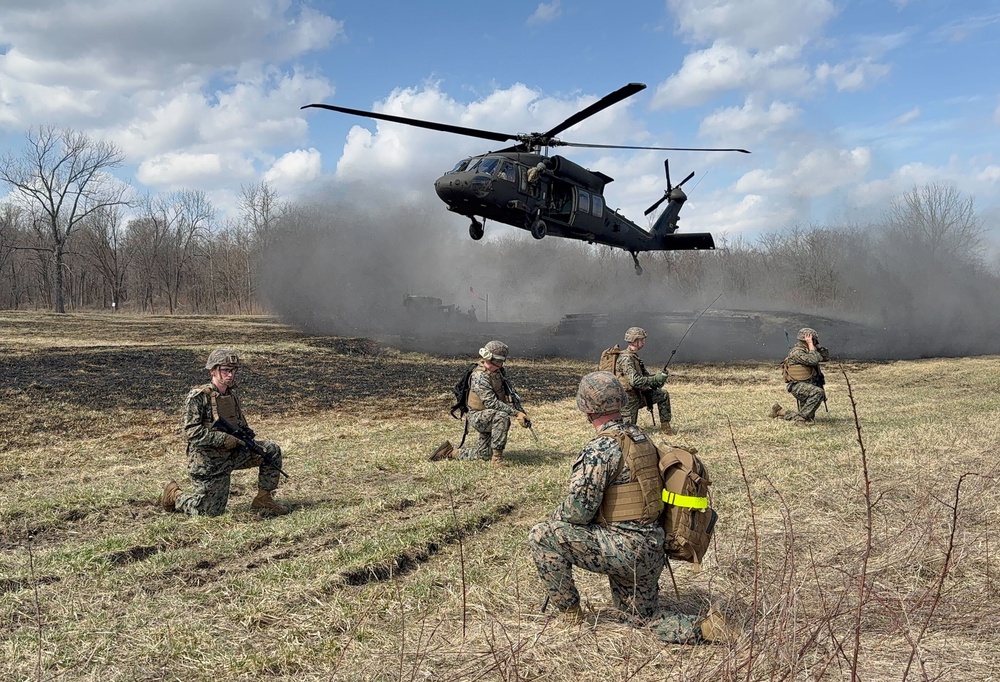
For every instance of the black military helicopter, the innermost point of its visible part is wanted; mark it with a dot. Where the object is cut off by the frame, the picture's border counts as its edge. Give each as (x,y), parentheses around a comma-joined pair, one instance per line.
(523,186)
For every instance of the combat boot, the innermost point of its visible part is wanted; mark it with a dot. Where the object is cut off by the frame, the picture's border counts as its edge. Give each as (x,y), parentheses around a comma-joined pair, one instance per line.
(170,494)
(264,502)
(801,421)
(496,461)
(777,411)
(666,430)
(717,628)
(444,451)
(572,616)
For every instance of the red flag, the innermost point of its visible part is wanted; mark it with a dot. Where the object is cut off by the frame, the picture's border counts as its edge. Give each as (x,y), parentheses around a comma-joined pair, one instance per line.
(473,292)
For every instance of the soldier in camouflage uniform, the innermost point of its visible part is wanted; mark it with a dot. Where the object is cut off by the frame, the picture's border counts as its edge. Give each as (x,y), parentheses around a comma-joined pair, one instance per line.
(639,384)
(213,455)
(598,528)
(804,378)
(490,410)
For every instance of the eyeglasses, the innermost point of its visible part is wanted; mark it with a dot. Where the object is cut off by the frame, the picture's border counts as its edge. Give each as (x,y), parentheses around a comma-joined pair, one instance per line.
(228,370)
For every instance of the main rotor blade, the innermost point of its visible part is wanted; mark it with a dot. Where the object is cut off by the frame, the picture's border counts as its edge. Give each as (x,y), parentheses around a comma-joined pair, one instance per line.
(430,125)
(560,143)
(600,105)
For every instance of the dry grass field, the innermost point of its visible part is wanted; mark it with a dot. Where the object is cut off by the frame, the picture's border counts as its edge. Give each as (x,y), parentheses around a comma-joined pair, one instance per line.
(849,550)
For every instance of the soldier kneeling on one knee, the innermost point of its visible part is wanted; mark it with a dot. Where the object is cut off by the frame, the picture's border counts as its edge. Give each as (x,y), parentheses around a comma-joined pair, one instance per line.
(803,378)
(213,454)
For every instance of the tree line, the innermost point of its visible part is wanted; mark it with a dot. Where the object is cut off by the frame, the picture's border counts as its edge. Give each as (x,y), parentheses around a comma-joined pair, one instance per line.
(73,237)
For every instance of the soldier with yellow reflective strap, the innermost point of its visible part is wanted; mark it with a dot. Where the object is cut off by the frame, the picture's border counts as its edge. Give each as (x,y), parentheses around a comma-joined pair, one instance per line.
(609,523)
(803,378)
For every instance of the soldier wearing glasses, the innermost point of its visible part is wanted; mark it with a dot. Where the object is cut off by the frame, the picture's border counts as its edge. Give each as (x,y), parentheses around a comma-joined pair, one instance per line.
(214,455)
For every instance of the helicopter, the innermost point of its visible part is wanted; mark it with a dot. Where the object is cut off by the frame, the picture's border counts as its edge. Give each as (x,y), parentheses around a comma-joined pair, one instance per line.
(522,186)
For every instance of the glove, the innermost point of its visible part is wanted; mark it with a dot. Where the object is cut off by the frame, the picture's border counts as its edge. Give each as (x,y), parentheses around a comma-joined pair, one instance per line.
(231,442)
(659,379)
(824,353)
(523,420)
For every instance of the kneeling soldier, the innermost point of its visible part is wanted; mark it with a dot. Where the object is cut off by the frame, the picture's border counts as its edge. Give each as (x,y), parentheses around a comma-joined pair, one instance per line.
(213,454)
(609,522)
(490,409)
(803,378)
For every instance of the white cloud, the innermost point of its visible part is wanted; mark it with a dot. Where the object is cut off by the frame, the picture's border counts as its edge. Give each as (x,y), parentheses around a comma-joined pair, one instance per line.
(989,174)
(740,122)
(759,181)
(911,115)
(180,170)
(546,12)
(723,67)
(294,171)
(821,171)
(854,76)
(752,24)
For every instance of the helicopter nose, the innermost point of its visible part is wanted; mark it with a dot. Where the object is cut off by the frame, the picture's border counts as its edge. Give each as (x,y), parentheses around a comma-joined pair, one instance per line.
(455,188)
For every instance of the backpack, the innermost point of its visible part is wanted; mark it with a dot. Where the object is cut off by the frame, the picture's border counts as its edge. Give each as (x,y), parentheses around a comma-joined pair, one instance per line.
(461,393)
(688,520)
(609,360)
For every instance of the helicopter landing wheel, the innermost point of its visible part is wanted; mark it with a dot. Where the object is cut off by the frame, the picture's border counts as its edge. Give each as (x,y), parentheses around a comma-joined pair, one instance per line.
(638,268)
(476,230)
(539,229)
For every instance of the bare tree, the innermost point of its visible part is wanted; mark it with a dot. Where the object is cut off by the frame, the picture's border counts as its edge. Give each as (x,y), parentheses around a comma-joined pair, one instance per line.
(64,175)
(261,210)
(181,219)
(937,220)
(104,243)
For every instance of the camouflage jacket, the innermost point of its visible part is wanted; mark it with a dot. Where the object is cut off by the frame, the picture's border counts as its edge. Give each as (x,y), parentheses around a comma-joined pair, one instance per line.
(799,354)
(199,417)
(632,372)
(593,472)
(481,383)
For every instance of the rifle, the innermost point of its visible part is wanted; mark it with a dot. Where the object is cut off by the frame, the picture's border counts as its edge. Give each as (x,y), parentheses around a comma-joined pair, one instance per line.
(246,434)
(515,401)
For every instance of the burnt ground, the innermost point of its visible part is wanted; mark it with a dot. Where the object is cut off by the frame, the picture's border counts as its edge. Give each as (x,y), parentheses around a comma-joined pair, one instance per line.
(45,390)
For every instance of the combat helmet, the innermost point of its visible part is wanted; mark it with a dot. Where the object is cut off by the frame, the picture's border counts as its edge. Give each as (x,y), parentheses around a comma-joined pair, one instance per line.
(634,334)
(806,331)
(494,351)
(222,356)
(600,393)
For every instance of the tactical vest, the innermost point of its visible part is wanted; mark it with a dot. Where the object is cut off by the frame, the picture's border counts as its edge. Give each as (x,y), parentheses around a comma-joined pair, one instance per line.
(496,382)
(640,368)
(796,372)
(226,406)
(641,498)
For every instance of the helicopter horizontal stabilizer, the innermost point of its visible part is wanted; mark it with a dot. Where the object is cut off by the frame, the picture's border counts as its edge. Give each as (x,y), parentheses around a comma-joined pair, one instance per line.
(687,242)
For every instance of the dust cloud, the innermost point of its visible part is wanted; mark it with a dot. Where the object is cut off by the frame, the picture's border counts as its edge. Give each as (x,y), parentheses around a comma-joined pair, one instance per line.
(346,267)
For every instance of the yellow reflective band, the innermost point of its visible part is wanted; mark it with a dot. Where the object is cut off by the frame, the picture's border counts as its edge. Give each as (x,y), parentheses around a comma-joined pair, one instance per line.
(685,500)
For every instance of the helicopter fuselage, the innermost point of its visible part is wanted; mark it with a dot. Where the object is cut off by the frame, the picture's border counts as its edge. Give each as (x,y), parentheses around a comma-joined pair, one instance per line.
(551,195)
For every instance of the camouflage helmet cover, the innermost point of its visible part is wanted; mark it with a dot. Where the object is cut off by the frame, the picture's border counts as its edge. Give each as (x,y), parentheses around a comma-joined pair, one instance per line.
(494,351)
(222,356)
(600,393)
(806,331)
(634,334)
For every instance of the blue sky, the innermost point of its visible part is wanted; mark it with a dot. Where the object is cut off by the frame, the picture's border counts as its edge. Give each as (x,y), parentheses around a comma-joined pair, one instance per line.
(844,104)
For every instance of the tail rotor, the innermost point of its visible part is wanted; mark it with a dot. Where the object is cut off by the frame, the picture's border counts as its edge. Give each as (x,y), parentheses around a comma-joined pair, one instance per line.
(669,194)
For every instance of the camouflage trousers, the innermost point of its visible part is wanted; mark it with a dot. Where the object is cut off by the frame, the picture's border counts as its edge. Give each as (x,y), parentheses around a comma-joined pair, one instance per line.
(809,397)
(632,560)
(636,402)
(492,426)
(210,473)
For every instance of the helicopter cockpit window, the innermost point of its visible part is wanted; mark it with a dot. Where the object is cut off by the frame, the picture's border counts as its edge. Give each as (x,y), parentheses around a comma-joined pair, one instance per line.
(460,166)
(598,205)
(487,166)
(506,171)
(583,202)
